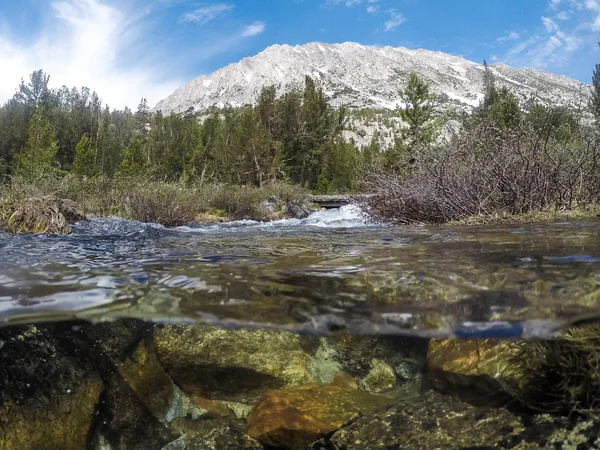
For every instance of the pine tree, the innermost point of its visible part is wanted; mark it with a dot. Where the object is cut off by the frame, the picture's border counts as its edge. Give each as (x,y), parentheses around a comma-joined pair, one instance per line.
(85,159)
(595,100)
(489,86)
(418,111)
(134,162)
(506,109)
(38,157)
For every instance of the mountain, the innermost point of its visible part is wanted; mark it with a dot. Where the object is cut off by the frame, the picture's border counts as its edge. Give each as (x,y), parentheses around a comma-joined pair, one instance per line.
(361,76)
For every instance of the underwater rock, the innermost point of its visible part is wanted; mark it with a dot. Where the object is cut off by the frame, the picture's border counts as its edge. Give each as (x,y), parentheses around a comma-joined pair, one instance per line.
(214,434)
(47,214)
(438,421)
(293,418)
(144,375)
(231,365)
(478,370)
(140,404)
(380,378)
(405,355)
(48,397)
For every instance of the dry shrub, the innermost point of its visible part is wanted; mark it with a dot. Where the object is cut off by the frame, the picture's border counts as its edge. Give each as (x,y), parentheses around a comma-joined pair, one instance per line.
(240,202)
(487,170)
(170,205)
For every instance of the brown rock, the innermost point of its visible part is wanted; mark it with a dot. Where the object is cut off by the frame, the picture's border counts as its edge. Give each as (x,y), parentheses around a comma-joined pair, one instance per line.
(475,368)
(293,418)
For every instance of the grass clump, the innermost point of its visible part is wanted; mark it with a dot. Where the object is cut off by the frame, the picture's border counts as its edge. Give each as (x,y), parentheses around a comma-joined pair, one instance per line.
(39,215)
(563,374)
(170,205)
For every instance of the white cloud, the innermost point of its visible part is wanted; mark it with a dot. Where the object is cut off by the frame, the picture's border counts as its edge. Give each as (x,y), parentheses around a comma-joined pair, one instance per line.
(82,44)
(254,29)
(345,2)
(207,13)
(549,24)
(372,9)
(509,36)
(351,3)
(553,47)
(396,19)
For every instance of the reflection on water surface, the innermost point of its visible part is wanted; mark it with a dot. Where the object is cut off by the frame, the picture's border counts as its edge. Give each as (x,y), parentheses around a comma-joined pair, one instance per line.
(331,271)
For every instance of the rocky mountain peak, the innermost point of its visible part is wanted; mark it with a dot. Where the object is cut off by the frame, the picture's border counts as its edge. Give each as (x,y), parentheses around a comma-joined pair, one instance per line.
(360,76)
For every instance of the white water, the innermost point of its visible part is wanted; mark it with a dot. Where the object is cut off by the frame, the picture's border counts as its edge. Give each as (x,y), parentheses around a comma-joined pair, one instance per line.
(348,216)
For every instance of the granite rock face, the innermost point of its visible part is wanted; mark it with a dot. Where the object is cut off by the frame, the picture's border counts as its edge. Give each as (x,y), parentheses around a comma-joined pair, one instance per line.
(361,76)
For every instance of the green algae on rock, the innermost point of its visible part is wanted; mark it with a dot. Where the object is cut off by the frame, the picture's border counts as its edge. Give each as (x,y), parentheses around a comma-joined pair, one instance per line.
(231,365)
(48,398)
(380,378)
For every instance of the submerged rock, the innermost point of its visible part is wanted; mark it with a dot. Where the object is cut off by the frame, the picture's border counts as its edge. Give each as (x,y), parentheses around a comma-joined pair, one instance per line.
(479,370)
(380,378)
(214,434)
(293,418)
(231,365)
(47,214)
(436,421)
(48,397)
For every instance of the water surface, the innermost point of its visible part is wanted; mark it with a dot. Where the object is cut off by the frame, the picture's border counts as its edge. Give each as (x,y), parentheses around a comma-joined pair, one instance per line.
(334,270)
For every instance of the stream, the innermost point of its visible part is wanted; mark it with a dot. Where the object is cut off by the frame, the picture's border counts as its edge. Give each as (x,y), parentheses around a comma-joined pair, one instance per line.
(333,271)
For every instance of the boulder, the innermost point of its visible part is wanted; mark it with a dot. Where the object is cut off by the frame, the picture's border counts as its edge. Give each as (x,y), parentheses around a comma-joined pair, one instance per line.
(295,417)
(42,215)
(48,397)
(213,434)
(297,210)
(436,421)
(270,205)
(478,369)
(232,365)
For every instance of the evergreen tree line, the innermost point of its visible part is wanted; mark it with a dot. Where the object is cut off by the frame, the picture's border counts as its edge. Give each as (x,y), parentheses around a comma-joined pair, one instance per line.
(295,137)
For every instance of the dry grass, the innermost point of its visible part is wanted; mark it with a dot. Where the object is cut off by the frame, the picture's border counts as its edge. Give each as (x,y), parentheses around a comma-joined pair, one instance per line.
(38,215)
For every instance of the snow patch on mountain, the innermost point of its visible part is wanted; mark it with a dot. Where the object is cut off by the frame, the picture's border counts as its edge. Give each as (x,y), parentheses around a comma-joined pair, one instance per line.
(360,76)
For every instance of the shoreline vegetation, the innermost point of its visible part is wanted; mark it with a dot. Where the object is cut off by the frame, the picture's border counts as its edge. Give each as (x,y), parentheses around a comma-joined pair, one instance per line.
(510,161)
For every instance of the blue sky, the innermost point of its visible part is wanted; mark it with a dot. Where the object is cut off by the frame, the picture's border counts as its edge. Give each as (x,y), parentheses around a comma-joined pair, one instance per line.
(126,49)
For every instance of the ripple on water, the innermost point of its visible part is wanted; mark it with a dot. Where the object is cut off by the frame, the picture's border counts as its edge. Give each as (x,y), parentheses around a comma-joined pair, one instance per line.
(334,270)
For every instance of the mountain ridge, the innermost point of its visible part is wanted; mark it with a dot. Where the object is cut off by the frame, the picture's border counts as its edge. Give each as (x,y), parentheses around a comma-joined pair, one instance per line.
(361,76)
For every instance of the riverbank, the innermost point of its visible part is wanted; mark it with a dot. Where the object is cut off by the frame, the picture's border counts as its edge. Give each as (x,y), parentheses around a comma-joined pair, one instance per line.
(176,204)
(169,204)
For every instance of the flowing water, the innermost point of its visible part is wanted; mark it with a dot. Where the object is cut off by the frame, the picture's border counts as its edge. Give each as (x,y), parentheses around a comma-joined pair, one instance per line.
(332,271)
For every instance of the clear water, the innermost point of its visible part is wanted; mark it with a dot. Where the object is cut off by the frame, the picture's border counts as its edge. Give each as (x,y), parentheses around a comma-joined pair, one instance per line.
(333,271)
